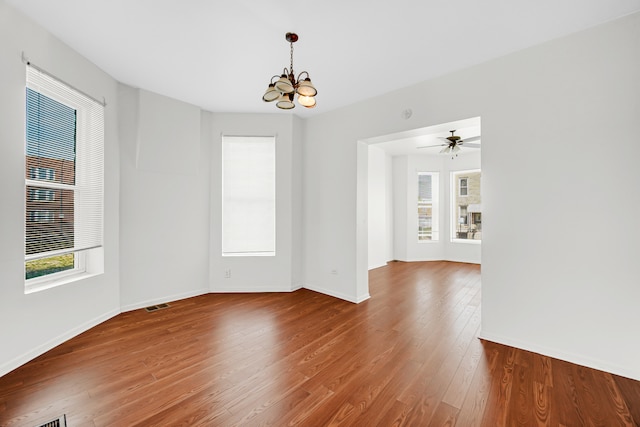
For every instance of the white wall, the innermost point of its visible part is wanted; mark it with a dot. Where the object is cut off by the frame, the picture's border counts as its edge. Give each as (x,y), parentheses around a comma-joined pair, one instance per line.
(390,198)
(279,273)
(377,208)
(164,199)
(37,322)
(554,167)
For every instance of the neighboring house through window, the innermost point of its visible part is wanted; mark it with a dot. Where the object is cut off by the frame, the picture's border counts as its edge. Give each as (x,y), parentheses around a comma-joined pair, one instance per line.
(466,206)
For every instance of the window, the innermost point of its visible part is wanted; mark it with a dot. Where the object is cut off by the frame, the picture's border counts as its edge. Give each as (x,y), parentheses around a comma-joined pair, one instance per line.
(248,196)
(41,194)
(63,180)
(463,186)
(427,206)
(48,174)
(466,207)
(41,216)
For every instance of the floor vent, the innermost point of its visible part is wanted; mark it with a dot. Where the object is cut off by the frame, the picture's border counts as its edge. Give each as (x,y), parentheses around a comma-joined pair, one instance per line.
(58,422)
(156,307)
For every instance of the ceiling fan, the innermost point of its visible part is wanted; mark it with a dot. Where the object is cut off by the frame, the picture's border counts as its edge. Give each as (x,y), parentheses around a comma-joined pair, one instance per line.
(451,144)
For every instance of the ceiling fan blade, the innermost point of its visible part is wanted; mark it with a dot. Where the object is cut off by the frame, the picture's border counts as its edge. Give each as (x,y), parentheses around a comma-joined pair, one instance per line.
(445,149)
(472,145)
(431,146)
(472,139)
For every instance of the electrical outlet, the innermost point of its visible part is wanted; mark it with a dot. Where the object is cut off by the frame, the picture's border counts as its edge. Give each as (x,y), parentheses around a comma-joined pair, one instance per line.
(227,273)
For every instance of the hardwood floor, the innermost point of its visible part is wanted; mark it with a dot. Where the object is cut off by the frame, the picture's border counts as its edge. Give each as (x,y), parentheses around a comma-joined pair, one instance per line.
(408,356)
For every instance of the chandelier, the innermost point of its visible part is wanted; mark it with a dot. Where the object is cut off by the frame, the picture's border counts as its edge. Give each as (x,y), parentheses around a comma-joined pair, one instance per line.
(284,89)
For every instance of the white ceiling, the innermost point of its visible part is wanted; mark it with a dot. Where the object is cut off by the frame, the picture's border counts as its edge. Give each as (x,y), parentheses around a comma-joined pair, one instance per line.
(220,55)
(414,141)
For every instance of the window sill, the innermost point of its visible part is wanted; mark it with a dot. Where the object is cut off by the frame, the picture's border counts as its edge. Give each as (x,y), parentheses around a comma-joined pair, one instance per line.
(467,241)
(249,254)
(31,288)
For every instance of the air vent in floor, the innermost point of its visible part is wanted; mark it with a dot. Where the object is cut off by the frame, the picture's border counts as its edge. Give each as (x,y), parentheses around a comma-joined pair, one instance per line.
(58,422)
(157,307)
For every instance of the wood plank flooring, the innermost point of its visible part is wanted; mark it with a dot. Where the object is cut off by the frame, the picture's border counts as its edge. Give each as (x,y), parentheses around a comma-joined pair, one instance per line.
(409,356)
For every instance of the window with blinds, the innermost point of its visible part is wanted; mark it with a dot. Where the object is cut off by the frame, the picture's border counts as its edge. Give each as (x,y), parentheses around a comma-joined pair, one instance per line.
(248,196)
(428,206)
(64,143)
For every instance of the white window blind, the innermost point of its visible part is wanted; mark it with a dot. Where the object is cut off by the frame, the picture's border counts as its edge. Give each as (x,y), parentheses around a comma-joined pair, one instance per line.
(64,170)
(428,206)
(248,195)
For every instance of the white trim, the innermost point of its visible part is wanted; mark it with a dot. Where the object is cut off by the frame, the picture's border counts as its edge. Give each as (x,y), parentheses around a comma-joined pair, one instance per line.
(578,359)
(249,254)
(53,280)
(162,300)
(371,267)
(467,241)
(252,289)
(339,295)
(16,362)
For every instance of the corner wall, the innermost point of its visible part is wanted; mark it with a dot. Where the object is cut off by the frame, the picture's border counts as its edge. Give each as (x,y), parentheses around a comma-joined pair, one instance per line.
(164,199)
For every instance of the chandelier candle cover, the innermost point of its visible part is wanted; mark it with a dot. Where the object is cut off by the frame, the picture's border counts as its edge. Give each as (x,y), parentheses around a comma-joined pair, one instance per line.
(286,85)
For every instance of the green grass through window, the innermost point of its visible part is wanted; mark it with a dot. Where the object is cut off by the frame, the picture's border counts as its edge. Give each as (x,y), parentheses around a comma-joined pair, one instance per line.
(44,266)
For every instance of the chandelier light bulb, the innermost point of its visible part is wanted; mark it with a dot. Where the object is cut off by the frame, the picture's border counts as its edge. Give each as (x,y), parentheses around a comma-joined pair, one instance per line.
(307,101)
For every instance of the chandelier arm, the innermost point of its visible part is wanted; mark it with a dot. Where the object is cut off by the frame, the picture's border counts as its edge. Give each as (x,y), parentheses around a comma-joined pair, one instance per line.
(303,72)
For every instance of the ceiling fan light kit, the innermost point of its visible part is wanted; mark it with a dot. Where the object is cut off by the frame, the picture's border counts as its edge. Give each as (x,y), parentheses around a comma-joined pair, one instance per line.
(287,85)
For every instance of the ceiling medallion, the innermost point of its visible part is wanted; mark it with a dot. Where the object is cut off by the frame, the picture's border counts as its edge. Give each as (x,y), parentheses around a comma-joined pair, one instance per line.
(286,85)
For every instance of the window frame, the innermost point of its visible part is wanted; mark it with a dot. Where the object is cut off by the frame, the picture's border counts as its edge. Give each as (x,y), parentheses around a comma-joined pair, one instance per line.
(466,186)
(434,235)
(455,210)
(226,245)
(87,262)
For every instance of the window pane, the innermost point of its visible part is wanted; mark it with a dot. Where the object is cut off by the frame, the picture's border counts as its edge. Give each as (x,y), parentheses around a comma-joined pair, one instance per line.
(51,139)
(44,266)
(49,220)
(467,208)
(248,205)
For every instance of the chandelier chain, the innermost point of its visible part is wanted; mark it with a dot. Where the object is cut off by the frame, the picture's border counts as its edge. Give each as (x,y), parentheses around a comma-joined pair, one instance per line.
(291,69)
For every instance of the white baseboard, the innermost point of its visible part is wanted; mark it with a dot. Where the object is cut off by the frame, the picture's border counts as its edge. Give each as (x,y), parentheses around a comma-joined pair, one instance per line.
(578,359)
(340,295)
(372,267)
(165,299)
(252,289)
(9,366)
